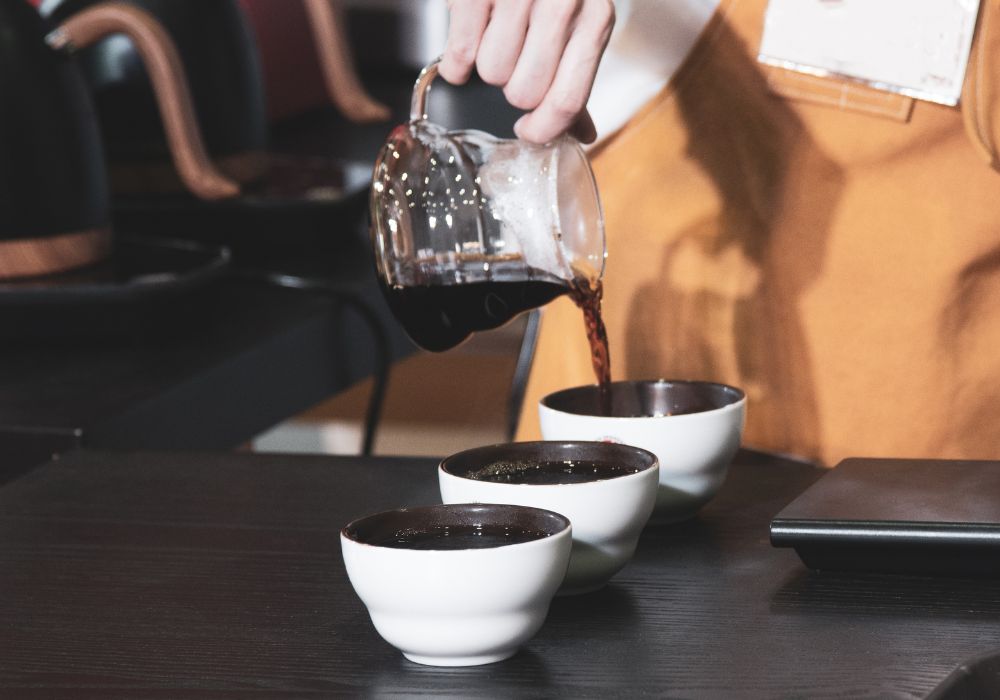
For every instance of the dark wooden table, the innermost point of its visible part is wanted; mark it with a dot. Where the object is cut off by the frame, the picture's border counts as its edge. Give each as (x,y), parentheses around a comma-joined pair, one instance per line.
(142,574)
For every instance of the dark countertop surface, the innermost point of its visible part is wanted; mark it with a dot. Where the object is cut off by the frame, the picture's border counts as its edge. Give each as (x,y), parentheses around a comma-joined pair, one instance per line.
(145,574)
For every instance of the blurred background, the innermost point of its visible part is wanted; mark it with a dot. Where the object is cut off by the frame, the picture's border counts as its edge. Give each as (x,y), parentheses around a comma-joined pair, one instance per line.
(185,232)
(436,403)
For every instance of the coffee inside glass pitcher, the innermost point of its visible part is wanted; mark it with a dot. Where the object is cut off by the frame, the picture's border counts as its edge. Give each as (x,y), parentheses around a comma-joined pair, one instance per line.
(470,230)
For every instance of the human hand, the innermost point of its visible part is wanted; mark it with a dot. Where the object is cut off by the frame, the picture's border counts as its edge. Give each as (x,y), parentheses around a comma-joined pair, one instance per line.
(543,53)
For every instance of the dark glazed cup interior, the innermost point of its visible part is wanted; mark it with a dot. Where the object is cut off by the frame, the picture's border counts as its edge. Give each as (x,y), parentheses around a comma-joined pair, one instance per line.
(380,527)
(636,399)
(465,463)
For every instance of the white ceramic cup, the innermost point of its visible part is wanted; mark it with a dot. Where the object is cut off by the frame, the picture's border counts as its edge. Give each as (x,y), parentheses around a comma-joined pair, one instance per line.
(458,606)
(694,428)
(608,514)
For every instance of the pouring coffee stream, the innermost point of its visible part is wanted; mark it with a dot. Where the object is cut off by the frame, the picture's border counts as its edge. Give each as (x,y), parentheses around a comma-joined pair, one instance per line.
(470,230)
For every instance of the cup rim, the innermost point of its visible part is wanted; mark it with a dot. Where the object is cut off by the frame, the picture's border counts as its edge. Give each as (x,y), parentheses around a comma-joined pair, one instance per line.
(736,397)
(558,524)
(650,460)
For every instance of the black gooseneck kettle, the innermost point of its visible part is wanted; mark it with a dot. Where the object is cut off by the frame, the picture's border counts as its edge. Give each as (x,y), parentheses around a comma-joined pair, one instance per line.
(54,202)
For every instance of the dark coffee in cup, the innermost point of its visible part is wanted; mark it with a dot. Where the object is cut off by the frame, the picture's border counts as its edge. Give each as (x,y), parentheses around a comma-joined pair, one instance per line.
(555,471)
(451,537)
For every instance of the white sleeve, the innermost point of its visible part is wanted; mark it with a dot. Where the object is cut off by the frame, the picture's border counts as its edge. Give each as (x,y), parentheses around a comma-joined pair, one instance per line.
(650,40)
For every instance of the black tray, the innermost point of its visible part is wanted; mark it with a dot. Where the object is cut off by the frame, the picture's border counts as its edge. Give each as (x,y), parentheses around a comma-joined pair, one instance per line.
(930,517)
(143,279)
(973,680)
(305,203)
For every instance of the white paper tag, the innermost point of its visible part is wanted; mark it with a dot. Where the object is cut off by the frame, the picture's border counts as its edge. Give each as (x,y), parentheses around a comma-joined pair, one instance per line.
(918,48)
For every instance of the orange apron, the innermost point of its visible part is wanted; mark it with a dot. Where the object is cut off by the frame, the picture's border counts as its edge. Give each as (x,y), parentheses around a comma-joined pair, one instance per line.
(832,250)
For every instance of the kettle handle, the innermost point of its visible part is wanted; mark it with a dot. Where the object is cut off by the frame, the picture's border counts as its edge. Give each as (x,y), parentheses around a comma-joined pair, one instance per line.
(418,105)
(166,72)
(343,86)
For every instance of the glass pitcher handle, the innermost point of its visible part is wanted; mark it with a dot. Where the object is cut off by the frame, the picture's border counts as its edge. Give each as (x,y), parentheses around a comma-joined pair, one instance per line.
(418,105)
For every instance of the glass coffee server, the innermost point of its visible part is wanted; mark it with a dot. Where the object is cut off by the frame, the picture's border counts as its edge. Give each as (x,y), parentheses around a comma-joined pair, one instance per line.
(469,229)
